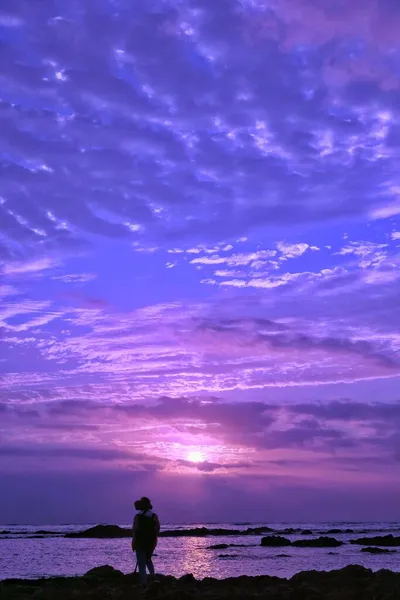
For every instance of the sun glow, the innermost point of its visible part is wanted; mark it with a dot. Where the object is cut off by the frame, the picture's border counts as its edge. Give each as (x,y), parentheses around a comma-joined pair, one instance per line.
(195,457)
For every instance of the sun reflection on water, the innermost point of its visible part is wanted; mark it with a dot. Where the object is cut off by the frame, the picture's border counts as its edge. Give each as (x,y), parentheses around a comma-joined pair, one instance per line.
(196,559)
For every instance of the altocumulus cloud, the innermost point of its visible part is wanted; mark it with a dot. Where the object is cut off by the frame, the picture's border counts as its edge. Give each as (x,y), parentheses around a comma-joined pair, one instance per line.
(145,131)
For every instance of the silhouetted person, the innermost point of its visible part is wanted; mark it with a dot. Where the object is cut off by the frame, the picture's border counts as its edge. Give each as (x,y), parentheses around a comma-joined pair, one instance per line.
(145,530)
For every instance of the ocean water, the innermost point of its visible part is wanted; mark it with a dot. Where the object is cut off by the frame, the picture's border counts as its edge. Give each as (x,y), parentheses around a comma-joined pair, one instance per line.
(53,555)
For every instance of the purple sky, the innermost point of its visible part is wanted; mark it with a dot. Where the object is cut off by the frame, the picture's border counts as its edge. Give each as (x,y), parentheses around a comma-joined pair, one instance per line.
(199,259)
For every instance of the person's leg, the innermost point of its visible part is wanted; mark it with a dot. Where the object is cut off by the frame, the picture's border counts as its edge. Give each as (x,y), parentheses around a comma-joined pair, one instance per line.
(141,561)
(149,564)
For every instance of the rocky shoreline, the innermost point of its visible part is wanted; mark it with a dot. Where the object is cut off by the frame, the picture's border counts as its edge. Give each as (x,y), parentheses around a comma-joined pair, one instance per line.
(114,531)
(351,583)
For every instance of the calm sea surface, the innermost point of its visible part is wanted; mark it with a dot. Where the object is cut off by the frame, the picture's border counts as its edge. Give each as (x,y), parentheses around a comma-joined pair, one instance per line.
(52,555)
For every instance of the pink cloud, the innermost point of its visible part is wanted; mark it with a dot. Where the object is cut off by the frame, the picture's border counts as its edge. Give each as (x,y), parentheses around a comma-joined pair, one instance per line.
(28,267)
(324,442)
(316,23)
(320,22)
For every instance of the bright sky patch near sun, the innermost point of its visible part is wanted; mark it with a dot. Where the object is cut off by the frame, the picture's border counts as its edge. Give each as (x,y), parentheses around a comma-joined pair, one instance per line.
(195,456)
(200,249)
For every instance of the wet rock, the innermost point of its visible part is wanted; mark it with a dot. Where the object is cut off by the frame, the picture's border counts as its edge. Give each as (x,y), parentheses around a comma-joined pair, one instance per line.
(334,531)
(258,530)
(306,532)
(383,540)
(101,531)
(225,546)
(104,572)
(195,532)
(274,540)
(321,542)
(374,550)
(188,578)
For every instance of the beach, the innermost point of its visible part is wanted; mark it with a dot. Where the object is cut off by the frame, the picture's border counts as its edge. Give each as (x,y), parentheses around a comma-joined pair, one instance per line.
(351,583)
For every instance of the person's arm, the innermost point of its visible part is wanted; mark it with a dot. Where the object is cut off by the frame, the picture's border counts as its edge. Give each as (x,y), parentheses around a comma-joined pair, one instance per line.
(134,528)
(157,522)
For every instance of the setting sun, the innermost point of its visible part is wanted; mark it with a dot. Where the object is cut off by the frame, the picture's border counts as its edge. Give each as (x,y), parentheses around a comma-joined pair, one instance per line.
(195,456)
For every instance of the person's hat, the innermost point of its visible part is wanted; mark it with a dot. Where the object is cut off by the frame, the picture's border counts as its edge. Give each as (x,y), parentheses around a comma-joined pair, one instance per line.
(143,504)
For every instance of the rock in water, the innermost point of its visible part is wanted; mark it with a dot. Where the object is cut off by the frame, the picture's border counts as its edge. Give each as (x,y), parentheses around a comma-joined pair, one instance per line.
(101,531)
(274,541)
(321,542)
(383,540)
(225,546)
(334,531)
(377,550)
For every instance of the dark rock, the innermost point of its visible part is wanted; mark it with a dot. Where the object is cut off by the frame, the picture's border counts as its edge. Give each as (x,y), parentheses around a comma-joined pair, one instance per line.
(188,578)
(274,540)
(306,532)
(334,531)
(354,572)
(383,540)
(321,542)
(227,556)
(283,556)
(195,532)
(104,572)
(225,546)
(101,531)
(209,580)
(377,550)
(258,530)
